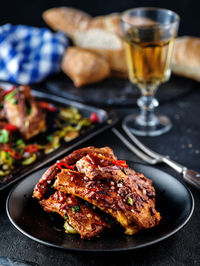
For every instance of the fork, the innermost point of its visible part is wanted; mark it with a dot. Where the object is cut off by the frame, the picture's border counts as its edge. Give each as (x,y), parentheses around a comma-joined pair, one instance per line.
(143,152)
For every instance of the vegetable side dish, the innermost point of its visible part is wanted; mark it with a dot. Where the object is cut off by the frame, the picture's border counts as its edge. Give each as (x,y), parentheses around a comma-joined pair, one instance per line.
(30,129)
(91,179)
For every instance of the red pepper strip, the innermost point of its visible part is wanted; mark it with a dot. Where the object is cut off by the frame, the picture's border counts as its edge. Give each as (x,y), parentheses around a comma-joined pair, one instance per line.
(32,148)
(47,106)
(9,91)
(120,163)
(94,117)
(10,128)
(15,155)
(60,166)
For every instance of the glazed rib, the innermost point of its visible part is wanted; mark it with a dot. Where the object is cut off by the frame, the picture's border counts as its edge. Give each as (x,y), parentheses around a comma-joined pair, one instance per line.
(135,185)
(109,196)
(84,220)
(71,159)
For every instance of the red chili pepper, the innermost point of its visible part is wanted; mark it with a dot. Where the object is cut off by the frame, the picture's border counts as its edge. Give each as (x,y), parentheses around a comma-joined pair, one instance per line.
(32,148)
(94,117)
(121,163)
(9,91)
(15,155)
(59,165)
(48,106)
(10,128)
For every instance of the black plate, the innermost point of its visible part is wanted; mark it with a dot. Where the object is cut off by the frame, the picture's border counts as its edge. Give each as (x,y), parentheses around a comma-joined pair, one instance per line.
(115,92)
(174,201)
(106,118)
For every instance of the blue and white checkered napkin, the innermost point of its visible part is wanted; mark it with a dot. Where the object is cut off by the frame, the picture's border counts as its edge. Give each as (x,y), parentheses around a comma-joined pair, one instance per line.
(29,54)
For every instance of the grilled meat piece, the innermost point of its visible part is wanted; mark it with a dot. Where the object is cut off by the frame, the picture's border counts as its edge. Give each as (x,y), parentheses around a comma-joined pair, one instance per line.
(84,220)
(130,209)
(134,186)
(71,159)
(93,165)
(23,112)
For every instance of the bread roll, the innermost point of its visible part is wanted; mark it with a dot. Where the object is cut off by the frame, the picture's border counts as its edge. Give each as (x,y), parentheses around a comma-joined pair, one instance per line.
(84,67)
(186,57)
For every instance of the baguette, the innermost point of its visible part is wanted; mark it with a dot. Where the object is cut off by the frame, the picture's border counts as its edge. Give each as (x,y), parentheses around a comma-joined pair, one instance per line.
(101,34)
(186,57)
(67,19)
(84,67)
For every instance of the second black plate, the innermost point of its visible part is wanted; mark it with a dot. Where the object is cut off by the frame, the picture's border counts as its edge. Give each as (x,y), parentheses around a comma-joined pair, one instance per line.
(174,201)
(115,92)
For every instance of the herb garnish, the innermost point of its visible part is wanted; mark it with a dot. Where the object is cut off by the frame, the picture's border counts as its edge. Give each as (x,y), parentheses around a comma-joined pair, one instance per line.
(129,201)
(76,208)
(4,136)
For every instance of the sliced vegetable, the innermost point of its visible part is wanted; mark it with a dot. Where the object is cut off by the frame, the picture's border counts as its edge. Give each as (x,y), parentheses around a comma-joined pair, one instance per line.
(5,159)
(55,144)
(15,155)
(70,114)
(94,117)
(69,229)
(62,166)
(9,91)
(85,122)
(71,135)
(14,101)
(4,173)
(4,136)
(19,142)
(1,105)
(50,138)
(30,160)
(32,148)
(121,163)
(9,95)
(48,106)
(10,128)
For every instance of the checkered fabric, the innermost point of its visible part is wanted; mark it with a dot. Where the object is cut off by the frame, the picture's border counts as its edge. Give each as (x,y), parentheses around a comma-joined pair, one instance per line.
(29,54)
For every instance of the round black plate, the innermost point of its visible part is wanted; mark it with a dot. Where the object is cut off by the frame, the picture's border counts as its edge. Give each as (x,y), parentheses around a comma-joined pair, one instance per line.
(174,201)
(115,92)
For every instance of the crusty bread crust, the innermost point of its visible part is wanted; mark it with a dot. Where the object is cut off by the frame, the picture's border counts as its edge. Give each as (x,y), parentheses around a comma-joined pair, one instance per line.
(66,19)
(84,67)
(186,57)
(115,58)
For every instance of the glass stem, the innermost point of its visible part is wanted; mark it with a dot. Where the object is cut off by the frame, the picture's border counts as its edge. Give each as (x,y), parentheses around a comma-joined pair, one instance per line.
(147,104)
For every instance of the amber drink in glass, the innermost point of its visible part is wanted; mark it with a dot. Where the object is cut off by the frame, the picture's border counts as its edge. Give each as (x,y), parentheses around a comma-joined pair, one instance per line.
(149,35)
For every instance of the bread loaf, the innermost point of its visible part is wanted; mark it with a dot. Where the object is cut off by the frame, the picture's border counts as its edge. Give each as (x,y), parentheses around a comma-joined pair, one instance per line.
(67,19)
(101,34)
(186,57)
(84,67)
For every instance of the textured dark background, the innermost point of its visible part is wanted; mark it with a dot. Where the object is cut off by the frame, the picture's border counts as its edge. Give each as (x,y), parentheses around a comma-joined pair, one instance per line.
(29,11)
(182,144)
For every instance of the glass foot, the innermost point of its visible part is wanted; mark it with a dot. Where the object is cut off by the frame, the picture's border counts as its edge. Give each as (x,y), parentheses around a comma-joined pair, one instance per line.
(162,125)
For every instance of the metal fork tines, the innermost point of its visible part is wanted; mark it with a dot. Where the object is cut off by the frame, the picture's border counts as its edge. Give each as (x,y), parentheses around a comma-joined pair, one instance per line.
(153,158)
(135,150)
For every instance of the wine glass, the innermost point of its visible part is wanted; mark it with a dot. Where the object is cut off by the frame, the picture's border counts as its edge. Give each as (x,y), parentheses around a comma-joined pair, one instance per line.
(149,35)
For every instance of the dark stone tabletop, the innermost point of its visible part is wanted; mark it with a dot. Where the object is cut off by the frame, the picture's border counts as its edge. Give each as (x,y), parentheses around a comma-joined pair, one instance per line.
(182,144)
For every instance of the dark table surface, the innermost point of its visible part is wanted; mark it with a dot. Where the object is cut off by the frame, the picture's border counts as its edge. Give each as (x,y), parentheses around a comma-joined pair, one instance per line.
(182,143)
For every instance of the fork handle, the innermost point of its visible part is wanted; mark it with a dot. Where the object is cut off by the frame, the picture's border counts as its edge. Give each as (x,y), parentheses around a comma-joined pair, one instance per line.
(192,177)
(176,166)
